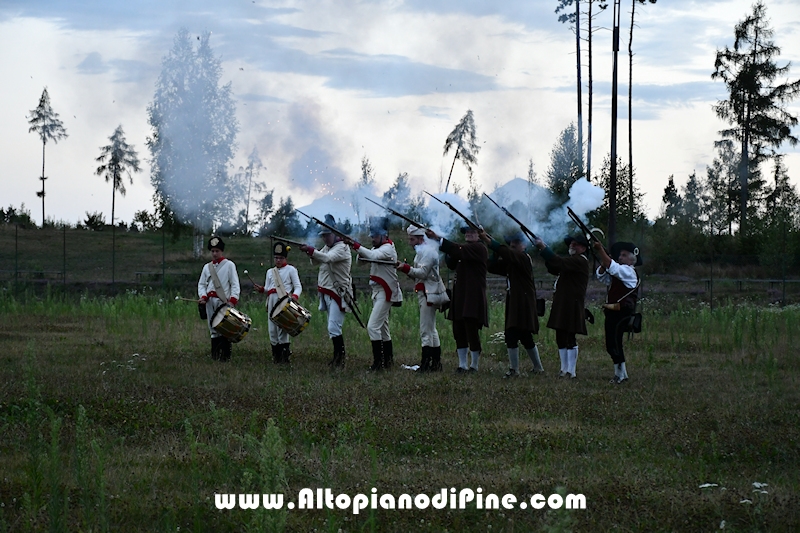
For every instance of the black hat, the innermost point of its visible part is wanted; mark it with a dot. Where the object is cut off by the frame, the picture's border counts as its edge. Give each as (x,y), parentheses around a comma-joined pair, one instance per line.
(579,238)
(465,229)
(329,220)
(281,249)
(617,247)
(378,226)
(216,242)
(514,236)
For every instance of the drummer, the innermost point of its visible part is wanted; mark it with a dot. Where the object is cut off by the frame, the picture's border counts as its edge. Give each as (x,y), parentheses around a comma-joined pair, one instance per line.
(276,287)
(214,297)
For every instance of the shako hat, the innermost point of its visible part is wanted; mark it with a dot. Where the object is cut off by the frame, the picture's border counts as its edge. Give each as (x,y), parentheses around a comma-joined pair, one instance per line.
(216,242)
(281,249)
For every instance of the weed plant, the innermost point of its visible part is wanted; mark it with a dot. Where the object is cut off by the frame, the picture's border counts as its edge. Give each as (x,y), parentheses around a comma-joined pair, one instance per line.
(114,418)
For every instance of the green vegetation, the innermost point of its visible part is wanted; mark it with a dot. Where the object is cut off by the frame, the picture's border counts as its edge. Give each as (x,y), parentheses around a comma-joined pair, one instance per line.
(114,418)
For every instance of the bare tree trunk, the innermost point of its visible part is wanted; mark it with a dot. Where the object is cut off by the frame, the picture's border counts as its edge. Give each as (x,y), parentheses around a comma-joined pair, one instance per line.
(612,186)
(113,228)
(43,178)
(630,109)
(589,124)
(578,67)
(451,169)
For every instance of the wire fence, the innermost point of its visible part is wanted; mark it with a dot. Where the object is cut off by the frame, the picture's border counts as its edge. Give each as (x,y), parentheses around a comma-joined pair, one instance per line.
(100,259)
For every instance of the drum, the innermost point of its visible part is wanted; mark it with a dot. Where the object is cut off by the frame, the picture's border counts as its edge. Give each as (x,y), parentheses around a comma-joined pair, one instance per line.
(290,316)
(230,323)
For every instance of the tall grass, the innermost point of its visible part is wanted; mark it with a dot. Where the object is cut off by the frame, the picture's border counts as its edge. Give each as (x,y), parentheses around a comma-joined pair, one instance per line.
(115,418)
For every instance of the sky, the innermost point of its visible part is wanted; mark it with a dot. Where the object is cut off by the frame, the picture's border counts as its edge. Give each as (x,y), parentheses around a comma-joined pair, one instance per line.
(321,84)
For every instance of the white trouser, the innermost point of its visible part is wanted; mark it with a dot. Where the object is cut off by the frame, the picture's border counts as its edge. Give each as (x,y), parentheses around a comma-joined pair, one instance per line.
(378,325)
(427,322)
(335,315)
(277,335)
(212,305)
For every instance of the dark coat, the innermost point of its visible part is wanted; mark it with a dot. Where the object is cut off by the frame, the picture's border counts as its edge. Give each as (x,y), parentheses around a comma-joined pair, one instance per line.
(521,291)
(469,289)
(569,298)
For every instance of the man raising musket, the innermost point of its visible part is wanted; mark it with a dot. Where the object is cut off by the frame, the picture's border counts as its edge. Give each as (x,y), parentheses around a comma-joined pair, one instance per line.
(334,284)
(385,289)
(618,272)
(522,322)
(430,296)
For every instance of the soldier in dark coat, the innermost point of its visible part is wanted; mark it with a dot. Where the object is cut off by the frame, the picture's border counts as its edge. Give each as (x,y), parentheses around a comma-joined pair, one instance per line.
(522,322)
(469,309)
(567,316)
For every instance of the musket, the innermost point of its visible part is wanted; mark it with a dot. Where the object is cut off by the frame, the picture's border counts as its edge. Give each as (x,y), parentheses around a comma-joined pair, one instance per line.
(324,225)
(395,213)
(353,306)
(288,241)
(590,236)
(528,233)
(469,222)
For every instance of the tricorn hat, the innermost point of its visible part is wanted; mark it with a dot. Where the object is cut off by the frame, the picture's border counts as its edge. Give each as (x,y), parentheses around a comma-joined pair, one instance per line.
(580,238)
(378,226)
(329,220)
(281,249)
(617,247)
(514,236)
(216,242)
(465,229)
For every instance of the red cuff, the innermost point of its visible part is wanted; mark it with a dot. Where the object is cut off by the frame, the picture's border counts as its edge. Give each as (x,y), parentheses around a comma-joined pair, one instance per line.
(356,245)
(233,300)
(310,251)
(203,299)
(213,294)
(405,268)
(296,297)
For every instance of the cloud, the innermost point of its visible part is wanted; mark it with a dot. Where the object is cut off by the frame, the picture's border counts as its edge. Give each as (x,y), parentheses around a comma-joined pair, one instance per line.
(434,112)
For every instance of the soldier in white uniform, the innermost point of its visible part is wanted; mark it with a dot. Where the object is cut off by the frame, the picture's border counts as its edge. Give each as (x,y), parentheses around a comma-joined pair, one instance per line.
(278,337)
(426,273)
(334,284)
(211,296)
(385,289)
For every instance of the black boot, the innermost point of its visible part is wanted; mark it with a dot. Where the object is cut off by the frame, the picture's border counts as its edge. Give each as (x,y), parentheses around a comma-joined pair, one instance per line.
(338,352)
(388,355)
(224,350)
(425,364)
(215,353)
(436,359)
(377,356)
(286,353)
(276,353)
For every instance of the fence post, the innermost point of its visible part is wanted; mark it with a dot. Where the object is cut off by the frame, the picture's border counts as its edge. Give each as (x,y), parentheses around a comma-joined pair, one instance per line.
(16,253)
(163,257)
(64,257)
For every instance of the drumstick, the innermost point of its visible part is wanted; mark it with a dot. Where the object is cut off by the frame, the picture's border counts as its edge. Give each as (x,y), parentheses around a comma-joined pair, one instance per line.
(246,273)
(186,299)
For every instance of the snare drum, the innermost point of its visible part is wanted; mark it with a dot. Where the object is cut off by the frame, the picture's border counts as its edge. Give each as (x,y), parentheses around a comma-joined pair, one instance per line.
(290,316)
(230,323)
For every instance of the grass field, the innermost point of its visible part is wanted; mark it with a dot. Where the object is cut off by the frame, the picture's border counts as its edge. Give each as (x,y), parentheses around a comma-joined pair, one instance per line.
(114,418)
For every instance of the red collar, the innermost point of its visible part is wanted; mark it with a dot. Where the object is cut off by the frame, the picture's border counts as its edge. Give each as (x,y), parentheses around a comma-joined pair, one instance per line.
(218,261)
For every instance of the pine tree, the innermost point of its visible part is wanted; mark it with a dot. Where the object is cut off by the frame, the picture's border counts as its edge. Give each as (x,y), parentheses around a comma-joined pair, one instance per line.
(565,164)
(756,105)
(117,159)
(464,139)
(671,203)
(44,121)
